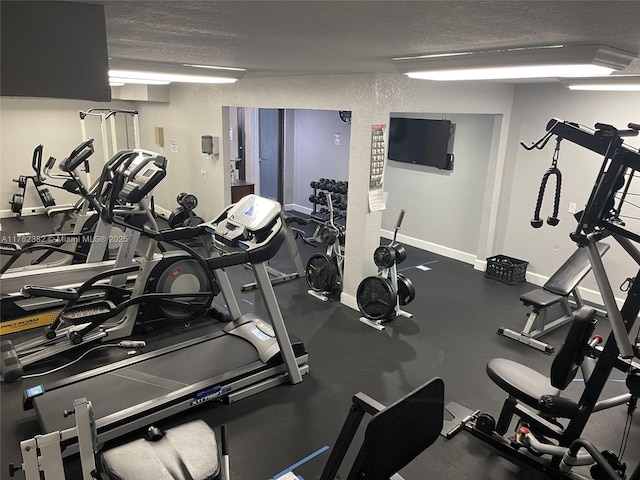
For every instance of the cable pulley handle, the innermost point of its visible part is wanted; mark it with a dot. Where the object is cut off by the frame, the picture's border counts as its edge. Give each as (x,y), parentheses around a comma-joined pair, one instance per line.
(400,218)
(398,223)
(553,220)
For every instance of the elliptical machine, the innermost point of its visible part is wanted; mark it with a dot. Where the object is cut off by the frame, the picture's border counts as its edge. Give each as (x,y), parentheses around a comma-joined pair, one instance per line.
(136,176)
(380,296)
(39,181)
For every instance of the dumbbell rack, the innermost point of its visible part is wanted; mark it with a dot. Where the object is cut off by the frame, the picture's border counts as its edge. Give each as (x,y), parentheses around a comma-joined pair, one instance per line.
(338,190)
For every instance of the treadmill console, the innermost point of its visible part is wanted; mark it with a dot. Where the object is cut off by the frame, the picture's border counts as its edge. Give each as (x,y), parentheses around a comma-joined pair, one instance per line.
(252,219)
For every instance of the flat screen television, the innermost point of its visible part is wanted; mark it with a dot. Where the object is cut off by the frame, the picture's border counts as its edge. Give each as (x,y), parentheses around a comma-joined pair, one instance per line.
(421,141)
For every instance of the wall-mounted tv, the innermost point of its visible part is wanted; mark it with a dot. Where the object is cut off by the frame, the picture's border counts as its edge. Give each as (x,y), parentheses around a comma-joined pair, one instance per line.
(421,141)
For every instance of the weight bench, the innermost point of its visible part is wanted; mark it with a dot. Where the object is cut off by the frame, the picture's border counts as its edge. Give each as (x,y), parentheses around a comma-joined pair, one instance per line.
(556,291)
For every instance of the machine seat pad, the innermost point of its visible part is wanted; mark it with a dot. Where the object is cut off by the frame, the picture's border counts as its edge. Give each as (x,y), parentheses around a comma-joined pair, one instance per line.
(520,381)
(185,452)
(540,298)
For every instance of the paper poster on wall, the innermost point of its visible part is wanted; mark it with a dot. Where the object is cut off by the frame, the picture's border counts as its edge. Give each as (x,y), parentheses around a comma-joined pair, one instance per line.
(376,170)
(377,200)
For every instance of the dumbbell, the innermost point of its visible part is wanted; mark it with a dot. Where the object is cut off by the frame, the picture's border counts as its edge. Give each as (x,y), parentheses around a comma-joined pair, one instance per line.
(313,184)
(188,201)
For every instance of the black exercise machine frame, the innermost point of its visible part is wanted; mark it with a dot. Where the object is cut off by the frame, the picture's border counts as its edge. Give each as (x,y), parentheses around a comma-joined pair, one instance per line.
(598,220)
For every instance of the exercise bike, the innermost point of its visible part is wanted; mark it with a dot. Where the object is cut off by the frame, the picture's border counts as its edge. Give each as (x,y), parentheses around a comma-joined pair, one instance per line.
(380,296)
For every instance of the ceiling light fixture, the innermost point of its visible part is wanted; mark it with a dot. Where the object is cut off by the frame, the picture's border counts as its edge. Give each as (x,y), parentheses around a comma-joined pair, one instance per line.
(619,83)
(148,72)
(517,63)
(124,80)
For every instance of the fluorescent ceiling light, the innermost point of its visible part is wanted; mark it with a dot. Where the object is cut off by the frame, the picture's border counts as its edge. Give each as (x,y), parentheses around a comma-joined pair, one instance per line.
(123,79)
(620,83)
(147,72)
(517,63)
(212,67)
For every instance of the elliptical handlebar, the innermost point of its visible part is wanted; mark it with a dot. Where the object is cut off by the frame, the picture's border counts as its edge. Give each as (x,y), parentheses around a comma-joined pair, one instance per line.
(78,156)
(135,174)
(36,162)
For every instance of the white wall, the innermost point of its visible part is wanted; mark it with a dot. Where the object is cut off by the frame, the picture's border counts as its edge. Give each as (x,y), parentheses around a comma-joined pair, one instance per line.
(316,153)
(26,123)
(445,207)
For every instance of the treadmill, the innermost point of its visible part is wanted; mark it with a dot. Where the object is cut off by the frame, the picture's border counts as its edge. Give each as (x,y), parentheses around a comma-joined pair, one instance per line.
(246,356)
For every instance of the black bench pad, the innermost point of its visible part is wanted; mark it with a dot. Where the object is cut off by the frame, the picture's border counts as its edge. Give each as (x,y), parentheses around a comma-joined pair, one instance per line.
(540,298)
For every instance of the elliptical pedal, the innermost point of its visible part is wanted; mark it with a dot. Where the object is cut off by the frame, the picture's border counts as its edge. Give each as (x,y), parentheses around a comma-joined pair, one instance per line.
(95,312)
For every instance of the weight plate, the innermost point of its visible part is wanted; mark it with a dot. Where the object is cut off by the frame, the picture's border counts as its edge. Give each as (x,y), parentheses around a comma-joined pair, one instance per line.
(189,201)
(17,200)
(406,290)
(328,236)
(376,298)
(178,217)
(401,253)
(180,197)
(322,273)
(384,256)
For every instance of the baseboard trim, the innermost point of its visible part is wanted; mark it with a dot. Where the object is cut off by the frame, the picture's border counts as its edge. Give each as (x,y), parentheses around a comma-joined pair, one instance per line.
(432,247)
(26,212)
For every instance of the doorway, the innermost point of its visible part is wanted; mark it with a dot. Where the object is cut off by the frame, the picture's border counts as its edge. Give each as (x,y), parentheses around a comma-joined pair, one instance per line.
(282,151)
(270,152)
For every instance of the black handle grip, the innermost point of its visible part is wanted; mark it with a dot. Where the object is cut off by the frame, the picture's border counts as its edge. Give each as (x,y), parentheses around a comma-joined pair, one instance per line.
(400,218)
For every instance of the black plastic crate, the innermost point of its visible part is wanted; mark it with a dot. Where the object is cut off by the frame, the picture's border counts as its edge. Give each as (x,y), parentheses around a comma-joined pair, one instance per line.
(506,269)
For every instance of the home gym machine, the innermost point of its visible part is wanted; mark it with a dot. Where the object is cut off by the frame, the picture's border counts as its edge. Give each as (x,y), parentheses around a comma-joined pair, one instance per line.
(549,424)
(240,358)
(380,296)
(324,270)
(393,438)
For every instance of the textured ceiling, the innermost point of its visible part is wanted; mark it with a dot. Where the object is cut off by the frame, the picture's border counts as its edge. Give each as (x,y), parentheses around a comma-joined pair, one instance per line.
(319,37)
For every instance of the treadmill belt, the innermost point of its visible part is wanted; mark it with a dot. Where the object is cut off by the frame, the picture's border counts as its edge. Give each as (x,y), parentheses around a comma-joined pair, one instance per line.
(145,381)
